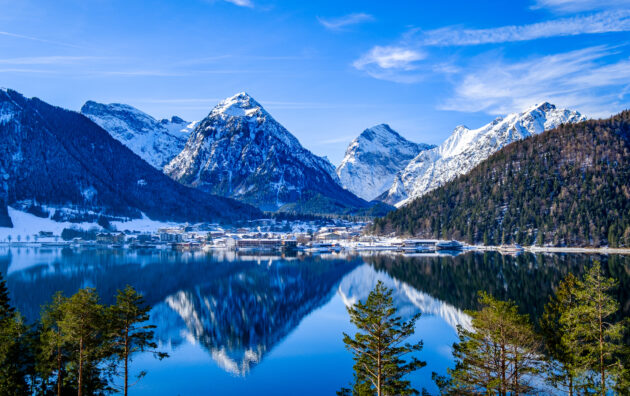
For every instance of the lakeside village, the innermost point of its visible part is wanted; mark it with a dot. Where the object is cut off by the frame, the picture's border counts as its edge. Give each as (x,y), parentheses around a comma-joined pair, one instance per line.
(263,235)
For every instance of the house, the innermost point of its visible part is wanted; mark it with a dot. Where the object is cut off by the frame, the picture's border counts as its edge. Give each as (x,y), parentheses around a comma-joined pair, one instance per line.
(170,237)
(108,238)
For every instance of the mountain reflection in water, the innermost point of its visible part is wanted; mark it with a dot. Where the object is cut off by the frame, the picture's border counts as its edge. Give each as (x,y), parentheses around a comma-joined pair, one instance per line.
(238,308)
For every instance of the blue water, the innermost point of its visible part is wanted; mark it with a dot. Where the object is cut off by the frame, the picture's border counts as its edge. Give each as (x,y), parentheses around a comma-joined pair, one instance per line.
(236,324)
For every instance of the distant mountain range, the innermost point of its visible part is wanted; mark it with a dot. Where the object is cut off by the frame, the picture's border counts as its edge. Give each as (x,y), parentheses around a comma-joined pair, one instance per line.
(373,160)
(466,148)
(60,158)
(238,152)
(567,186)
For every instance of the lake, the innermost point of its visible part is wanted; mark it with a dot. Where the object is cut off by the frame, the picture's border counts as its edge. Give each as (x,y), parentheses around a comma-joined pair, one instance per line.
(255,324)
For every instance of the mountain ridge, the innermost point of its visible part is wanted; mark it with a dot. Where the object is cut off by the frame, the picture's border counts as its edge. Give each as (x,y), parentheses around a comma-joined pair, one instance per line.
(155,141)
(465,148)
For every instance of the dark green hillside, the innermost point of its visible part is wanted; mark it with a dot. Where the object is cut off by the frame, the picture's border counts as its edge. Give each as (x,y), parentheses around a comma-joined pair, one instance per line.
(569,187)
(61,158)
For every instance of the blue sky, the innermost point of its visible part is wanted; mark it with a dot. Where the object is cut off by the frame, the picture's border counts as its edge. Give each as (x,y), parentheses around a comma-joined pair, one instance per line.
(324,69)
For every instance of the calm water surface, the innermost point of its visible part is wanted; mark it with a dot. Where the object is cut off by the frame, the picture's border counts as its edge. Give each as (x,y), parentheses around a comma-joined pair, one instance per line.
(238,324)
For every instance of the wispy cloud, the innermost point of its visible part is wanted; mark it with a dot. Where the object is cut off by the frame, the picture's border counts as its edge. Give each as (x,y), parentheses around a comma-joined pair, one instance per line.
(579,79)
(391,63)
(345,21)
(242,3)
(31,38)
(395,62)
(139,73)
(579,5)
(51,60)
(390,58)
(603,22)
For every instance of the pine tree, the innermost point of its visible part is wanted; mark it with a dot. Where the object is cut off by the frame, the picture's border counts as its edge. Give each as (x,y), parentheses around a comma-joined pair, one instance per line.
(589,326)
(52,346)
(6,310)
(129,333)
(498,355)
(563,369)
(82,327)
(379,348)
(12,334)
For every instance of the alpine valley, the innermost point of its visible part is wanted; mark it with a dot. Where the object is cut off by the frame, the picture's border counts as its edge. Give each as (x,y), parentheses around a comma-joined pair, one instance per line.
(116,161)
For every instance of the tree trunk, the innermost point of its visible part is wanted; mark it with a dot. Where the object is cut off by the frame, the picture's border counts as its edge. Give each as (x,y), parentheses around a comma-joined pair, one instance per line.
(80,366)
(378,376)
(570,385)
(58,370)
(126,360)
(516,382)
(503,385)
(601,341)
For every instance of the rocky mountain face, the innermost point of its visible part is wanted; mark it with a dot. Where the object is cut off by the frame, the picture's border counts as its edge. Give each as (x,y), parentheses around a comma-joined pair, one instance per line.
(240,151)
(374,158)
(59,157)
(155,141)
(466,148)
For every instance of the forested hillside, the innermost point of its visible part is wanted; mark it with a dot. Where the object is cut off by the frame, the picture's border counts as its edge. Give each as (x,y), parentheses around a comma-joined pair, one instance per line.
(569,186)
(60,158)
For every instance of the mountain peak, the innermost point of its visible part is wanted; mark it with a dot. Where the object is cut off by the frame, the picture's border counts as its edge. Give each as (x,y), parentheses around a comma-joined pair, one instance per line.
(239,150)
(382,131)
(544,106)
(373,159)
(239,105)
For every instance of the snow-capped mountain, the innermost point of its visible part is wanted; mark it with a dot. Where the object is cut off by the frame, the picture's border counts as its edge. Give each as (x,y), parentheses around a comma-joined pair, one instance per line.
(240,151)
(156,142)
(466,148)
(59,158)
(374,158)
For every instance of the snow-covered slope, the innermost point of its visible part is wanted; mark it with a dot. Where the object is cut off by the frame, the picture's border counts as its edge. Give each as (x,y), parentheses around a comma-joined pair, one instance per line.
(374,158)
(240,151)
(156,142)
(357,285)
(466,148)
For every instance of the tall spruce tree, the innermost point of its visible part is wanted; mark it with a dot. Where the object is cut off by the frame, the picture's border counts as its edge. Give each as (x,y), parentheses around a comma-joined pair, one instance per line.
(563,369)
(379,348)
(83,328)
(590,326)
(129,332)
(498,355)
(53,348)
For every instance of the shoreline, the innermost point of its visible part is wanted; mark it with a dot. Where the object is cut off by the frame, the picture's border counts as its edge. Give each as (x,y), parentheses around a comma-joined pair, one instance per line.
(554,249)
(480,248)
